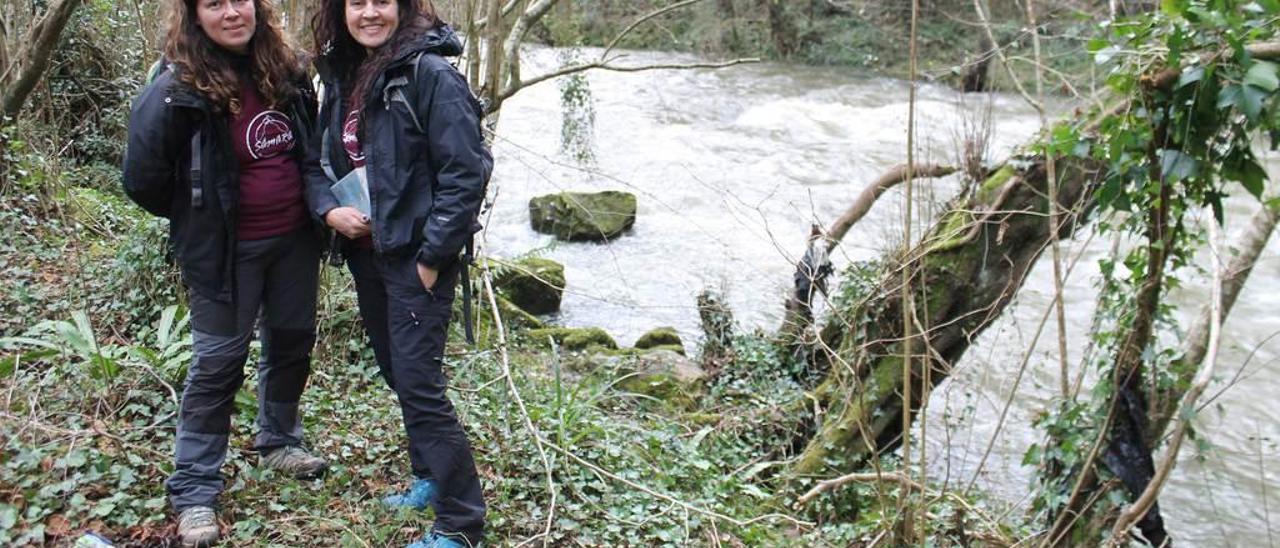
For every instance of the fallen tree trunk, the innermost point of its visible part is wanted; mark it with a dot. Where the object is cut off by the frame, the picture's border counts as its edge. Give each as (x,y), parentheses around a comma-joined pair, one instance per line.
(968,267)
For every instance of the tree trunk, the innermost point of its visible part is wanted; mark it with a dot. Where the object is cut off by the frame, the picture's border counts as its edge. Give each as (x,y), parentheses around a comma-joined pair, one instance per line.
(781,29)
(976,78)
(969,266)
(28,64)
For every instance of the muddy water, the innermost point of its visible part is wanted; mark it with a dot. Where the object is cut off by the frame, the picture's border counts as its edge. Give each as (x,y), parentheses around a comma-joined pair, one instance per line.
(732,166)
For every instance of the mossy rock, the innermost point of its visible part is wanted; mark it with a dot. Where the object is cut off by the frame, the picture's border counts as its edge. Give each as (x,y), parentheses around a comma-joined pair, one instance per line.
(515,316)
(664,375)
(574,338)
(583,216)
(661,337)
(533,284)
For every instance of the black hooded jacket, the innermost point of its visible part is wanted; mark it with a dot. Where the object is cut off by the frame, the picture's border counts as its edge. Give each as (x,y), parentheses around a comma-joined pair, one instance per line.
(158,175)
(426,169)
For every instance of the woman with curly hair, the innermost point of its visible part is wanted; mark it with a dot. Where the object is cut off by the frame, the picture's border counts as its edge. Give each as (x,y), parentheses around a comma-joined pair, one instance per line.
(402,121)
(216,144)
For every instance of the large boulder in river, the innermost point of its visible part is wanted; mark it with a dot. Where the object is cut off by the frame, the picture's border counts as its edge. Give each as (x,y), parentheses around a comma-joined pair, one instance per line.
(533,284)
(583,216)
(662,337)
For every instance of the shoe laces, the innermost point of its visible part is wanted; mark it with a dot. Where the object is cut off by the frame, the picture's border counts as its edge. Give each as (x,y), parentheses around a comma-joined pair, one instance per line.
(198,516)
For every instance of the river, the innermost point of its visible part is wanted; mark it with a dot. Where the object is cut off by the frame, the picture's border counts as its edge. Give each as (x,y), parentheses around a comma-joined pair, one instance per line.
(731,166)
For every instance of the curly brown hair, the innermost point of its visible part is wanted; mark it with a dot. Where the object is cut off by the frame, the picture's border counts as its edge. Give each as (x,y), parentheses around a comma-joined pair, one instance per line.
(348,59)
(207,68)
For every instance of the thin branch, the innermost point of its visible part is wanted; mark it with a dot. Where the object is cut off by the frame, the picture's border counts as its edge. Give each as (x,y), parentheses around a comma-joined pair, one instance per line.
(655,13)
(873,191)
(860,477)
(504,360)
(986,27)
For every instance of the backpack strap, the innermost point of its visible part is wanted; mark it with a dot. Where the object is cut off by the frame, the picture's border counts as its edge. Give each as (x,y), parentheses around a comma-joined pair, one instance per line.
(197,174)
(326,163)
(394,91)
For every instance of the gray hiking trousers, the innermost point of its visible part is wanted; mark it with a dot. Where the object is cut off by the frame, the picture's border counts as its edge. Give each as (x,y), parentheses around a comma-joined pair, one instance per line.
(276,279)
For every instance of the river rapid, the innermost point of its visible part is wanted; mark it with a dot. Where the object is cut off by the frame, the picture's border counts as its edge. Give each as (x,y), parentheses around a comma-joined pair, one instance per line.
(730,168)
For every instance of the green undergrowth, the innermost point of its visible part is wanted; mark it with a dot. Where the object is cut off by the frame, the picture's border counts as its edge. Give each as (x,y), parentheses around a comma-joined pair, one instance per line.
(96,344)
(89,390)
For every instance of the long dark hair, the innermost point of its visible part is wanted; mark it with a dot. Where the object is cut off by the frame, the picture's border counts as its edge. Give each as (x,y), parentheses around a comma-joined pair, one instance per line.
(348,59)
(207,68)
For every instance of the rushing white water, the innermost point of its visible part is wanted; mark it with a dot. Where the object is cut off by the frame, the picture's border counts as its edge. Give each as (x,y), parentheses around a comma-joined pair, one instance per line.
(732,166)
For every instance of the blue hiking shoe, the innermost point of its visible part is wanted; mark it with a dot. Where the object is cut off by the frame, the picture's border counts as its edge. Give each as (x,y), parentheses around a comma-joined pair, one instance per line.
(436,540)
(419,495)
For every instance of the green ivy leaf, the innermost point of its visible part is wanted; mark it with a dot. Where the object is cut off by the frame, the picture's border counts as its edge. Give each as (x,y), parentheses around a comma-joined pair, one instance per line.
(1173,7)
(1251,102)
(1104,55)
(1176,166)
(1190,76)
(1262,75)
(1229,97)
(1251,175)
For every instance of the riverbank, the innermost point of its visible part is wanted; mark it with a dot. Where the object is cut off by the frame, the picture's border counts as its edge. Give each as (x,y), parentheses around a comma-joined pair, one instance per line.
(869,38)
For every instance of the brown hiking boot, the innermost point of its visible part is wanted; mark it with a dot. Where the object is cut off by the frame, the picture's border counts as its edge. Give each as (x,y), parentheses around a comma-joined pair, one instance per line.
(198,527)
(295,461)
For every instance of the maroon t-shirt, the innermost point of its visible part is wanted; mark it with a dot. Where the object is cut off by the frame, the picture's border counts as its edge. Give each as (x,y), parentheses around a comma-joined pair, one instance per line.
(271,200)
(355,153)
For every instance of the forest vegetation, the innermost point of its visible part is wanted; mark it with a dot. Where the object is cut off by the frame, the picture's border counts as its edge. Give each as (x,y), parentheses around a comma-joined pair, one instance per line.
(803,434)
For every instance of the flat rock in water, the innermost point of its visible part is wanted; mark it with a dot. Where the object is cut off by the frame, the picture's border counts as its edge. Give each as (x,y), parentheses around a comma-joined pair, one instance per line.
(583,216)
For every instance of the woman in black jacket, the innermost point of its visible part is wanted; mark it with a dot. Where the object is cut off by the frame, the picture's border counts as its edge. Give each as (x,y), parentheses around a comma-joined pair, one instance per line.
(399,119)
(216,144)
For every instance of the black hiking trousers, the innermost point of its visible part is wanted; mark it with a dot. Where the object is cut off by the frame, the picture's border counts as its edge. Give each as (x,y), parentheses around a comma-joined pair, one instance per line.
(276,280)
(407,325)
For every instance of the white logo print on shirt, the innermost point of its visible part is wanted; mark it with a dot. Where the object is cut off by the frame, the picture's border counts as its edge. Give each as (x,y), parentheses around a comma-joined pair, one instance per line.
(268,135)
(351,138)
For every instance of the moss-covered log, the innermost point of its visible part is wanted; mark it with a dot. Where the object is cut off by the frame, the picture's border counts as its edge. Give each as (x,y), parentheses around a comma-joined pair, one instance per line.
(967,269)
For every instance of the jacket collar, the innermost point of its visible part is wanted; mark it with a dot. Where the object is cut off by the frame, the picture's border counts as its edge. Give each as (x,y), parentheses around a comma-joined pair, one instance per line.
(441,40)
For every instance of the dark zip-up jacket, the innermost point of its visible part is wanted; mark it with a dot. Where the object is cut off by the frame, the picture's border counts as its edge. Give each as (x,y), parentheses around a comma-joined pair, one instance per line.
(425,186)
(158,175)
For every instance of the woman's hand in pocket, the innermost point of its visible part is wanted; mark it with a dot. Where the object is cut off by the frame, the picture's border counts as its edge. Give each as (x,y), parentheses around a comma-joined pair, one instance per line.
(348,221)
(428,276)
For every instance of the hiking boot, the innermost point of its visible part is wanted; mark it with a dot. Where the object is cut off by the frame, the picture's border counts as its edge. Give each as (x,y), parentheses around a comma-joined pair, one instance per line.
(436,540)
(294,461)
(420,494)
(198,527)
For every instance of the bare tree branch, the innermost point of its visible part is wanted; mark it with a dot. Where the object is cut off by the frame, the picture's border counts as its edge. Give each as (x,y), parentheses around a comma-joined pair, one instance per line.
(31,60)
(986,27)
(510,48)
(860,477)
(872,192)
(655,13)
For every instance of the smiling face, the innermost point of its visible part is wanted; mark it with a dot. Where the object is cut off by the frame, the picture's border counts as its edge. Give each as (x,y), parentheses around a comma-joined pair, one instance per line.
(229,23)
(372,22)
